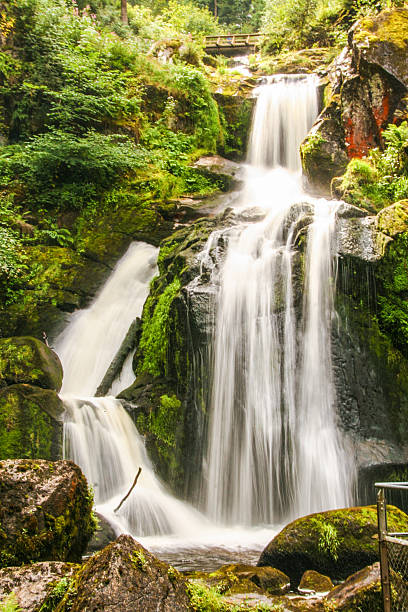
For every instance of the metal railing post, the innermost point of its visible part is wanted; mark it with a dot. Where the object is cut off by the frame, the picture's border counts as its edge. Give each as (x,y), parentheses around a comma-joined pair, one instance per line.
(382,533)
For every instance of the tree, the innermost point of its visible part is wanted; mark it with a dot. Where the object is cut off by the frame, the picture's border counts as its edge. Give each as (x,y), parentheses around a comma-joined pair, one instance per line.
(124,15)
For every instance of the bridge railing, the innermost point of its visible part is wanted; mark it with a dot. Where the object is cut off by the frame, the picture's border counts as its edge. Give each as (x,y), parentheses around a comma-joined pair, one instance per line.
(393,554)
(233,40)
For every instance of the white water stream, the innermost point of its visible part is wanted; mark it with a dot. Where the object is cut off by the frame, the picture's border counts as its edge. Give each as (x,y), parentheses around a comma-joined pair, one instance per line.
(274,449)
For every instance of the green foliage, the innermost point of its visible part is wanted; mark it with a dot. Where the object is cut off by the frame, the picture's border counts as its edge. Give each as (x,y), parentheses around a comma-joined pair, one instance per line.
(10,604)
(204,599)
(164,423)
(328,542)
(156,330)
(382,178)
(62,170)
(56,595)
(139,560)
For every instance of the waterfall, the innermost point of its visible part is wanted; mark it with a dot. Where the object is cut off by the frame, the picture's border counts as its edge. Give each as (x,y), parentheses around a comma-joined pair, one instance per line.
(274,448)
(88,344)
(99,435)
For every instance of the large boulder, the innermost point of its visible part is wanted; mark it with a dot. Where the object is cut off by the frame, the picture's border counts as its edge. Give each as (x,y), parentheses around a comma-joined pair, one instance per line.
(30,423)
(367,86)
(45,512)
(241,578)
(361,591)
(333,543)
(125,576)
(36,585)
(27,360)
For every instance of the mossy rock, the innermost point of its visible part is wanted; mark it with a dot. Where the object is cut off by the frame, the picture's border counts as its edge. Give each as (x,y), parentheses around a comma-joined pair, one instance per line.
(125,576)
(383,40)
(45,512)
(27,360)
(361,591)
(323,152)
(30,423)
(38,586)
(393,220)
(333,543)
(313,582)
(241,578)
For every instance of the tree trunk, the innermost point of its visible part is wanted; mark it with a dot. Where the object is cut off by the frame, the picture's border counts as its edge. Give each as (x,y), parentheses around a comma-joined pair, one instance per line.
(124,14)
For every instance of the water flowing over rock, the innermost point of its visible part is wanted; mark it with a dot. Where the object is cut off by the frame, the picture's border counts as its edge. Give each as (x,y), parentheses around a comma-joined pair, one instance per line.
(269,426)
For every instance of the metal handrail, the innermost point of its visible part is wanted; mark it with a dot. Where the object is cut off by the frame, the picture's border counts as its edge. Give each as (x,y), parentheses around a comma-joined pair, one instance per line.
(384,537)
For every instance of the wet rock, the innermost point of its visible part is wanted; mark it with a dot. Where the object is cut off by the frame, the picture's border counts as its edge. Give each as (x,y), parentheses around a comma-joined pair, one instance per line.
(313,582)
(125,576)
(237,111)
(30,423)
(45,512)
(360,238)
(37,584)
(332,543)
(103,535)
(361,591)
(28,360)
(393,220)
(235,579)
(218,165)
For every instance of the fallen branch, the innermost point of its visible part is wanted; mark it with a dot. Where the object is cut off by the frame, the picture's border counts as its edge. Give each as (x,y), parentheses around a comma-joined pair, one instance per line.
(130,490)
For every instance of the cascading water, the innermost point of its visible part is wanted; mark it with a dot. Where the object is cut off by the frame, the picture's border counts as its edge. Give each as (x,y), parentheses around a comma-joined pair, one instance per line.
(274,449)
(99,435)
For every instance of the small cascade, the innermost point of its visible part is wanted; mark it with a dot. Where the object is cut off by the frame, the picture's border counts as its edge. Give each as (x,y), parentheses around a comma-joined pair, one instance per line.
(100,436)
(88,344)
(274,448)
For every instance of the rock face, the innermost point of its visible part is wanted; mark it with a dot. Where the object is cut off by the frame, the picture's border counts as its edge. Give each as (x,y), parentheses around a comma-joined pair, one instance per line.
(367,85)
(240,578)
(361,591)
(332,543)
(313,582)
(30,423)
(27,360)
(45,512)
(36,584)
(126,577)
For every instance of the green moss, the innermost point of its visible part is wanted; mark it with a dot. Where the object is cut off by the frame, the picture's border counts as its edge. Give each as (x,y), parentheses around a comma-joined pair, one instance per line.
(155,332)
(28,428)
(57,593)
(389,26)
(27,360)
(44,536)
(139,560)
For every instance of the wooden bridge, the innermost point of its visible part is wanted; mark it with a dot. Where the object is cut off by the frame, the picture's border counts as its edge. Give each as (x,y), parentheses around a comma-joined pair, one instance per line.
(231,44)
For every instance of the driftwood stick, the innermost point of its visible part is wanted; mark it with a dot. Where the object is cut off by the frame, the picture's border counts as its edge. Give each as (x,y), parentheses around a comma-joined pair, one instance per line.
(130,490)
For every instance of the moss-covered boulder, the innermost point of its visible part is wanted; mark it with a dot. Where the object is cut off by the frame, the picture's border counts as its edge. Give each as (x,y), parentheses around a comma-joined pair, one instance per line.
(236,113)
(361,591)
(313,582)
(323,152)
(38,586)
(383,41)
(125,576)
(332,543)
(28,360)
(241,578)
(45,512)
(30,423)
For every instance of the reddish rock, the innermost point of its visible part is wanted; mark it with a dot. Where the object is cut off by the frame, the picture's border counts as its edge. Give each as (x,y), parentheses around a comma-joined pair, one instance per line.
(361,591)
